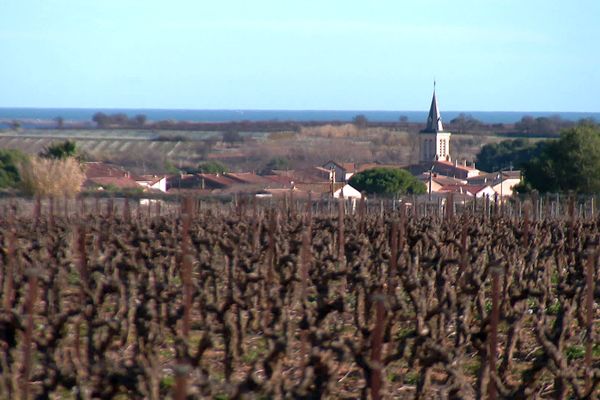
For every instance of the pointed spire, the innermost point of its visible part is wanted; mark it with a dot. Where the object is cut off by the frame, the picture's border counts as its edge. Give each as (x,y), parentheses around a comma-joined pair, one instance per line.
(434,120)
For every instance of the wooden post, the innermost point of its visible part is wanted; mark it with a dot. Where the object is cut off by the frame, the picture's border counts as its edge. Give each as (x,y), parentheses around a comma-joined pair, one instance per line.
(376,347)
(493,338)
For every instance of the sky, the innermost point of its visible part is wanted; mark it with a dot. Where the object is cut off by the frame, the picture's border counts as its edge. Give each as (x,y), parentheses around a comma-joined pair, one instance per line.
(486,55)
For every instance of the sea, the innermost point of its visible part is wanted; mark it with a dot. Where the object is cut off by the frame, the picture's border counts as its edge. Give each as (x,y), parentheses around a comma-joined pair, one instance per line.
(85,114)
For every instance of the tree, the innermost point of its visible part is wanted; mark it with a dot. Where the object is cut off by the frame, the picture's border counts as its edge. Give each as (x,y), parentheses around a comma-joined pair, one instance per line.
(212,167)
(387,182)
(231,137)
(569,163)
(60,122)
(507,154)
(404,121)
(276,163)
(140,120)
(360,121)
(465,123)
(9,167)
(101,119)
(542,126)
(60,151)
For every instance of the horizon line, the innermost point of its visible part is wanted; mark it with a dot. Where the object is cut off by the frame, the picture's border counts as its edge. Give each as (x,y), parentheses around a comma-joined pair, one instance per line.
(286,109)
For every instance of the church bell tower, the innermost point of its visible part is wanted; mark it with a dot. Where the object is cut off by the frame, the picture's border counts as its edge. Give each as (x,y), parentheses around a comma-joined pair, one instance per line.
(434,142)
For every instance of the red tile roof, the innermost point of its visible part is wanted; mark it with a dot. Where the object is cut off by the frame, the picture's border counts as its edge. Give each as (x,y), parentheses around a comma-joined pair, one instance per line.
(247,177)
(458,166)
(101,169)
(279,181)
(306,175)
(118,182)
(218,179)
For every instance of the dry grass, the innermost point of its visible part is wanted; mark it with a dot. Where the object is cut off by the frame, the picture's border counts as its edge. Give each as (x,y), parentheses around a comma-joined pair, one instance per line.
(331,131)
(51,178)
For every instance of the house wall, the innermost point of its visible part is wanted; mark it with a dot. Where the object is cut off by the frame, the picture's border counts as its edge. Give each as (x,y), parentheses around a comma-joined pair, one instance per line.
(486,191)
(161,185)
(349,193)
(340,173)
(505,188)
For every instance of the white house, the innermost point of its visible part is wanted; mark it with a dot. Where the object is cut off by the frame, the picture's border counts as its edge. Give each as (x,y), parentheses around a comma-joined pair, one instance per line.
(342,171)
(347,192)
(469,190)
(153,182)
(502,182)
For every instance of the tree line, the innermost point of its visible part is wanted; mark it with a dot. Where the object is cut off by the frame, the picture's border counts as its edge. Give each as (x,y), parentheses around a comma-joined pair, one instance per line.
(568,163)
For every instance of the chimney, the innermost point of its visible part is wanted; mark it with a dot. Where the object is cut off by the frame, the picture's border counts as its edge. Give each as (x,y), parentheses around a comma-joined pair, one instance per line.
(464,162)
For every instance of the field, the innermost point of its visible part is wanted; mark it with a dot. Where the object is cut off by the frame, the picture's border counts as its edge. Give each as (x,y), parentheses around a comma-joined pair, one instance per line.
(148,151)
(107,299)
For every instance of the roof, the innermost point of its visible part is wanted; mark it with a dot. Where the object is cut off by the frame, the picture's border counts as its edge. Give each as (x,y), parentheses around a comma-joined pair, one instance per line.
(246,177)
(471,189)
(116,181)
(218,179)
(151,179)
(441,179)
(496,175)
(346,166)
(434,119)
(306,175)
(457,166)
(302,191)
(100,169)
(279,180)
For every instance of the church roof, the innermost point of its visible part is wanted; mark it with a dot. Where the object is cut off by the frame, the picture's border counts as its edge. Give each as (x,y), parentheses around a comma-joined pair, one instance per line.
(434,119)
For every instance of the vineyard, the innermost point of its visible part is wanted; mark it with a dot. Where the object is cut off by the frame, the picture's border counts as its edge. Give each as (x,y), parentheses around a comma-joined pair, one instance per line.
(106,299)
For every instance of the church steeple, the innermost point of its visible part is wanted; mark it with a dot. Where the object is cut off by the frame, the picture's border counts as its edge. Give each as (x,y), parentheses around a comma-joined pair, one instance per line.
(434,141)
(434,120)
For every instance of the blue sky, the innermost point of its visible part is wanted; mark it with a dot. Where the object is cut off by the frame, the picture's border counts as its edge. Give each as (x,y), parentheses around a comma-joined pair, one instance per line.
(488,55)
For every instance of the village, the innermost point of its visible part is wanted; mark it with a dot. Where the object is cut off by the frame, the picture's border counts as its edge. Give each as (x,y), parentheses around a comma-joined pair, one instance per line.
(440,173)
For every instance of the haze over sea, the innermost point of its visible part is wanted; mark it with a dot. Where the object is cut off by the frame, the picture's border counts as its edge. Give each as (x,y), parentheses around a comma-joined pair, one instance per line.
(84,114)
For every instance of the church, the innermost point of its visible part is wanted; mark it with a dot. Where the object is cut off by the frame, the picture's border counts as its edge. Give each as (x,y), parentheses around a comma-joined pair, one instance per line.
(442,174)
(434,142)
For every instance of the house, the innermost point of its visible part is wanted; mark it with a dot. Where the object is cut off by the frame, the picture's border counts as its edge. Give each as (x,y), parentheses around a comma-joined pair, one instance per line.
(477,191)
(503,182)
(98,169)
(101,176)
(437,182)
(455,169)
(111,183)
(342,171)
(153,182)
(347,192)
(105,176)
(199,181)
(247,178)
(306,175)
(327,189)
(315,191)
